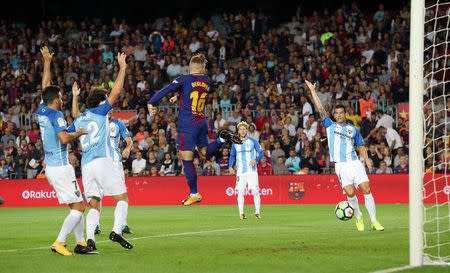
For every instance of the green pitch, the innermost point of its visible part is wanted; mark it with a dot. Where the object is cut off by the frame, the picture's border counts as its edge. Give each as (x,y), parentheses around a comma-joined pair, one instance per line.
(289,238)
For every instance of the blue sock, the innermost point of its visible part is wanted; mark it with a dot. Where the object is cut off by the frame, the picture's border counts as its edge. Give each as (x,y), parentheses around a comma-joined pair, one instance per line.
(191,175)
(212,148)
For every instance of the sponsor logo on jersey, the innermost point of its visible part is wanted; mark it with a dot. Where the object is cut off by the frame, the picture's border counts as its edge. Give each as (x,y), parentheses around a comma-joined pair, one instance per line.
(61,122)
(296,190)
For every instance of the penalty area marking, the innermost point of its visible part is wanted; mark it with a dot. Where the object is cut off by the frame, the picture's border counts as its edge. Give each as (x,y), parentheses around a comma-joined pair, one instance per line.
(394,269)
(136,238)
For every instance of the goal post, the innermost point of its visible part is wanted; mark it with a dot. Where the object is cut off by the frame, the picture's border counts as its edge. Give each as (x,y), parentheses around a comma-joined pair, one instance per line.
(416,140)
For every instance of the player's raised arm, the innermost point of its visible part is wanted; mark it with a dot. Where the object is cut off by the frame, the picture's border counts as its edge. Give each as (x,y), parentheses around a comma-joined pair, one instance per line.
(176,84)
(46,77)
(315,99)
(118,84)
(75,92)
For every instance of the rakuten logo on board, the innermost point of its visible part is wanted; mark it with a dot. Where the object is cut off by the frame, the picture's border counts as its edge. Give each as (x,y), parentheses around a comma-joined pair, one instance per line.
(230,191)
(38,194)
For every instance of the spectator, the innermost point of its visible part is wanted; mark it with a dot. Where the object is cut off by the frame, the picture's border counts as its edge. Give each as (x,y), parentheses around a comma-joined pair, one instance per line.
(309,163)
(5,169)
(384,120)
(370,169)
(403,167)
(306,110)
(293,162)
(138,166)
(261,120)
(375,155)
(208,169)
(198,167)
(33,134)
(7,137)
(366,104)
(19,164)
(233,121)
(168,166)
(400,152)
(264,168)
(223,161)
(33,162)
(384,169)
(279,168)
(392,138)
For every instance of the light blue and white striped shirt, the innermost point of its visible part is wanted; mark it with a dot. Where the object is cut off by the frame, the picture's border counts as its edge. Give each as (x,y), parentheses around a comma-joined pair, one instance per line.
(117,130)
(244,153)
(342,140)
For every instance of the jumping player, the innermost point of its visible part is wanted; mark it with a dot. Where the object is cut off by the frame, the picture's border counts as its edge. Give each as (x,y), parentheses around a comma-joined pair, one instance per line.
(99,174)
(342,138)
(247,156)
(59,172)
(192,121)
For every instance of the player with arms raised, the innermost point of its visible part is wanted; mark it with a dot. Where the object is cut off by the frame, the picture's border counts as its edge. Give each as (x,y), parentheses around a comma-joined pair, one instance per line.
(192,121)
(99,174)
(342,138)
(247,156)
(59,172)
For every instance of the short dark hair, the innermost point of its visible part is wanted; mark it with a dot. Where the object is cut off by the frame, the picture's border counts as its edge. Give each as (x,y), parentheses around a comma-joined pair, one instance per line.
(50,93)
(340,106)
(96,96)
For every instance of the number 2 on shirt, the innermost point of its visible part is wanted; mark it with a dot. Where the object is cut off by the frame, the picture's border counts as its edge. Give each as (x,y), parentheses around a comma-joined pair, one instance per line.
(198,103)
(92,128)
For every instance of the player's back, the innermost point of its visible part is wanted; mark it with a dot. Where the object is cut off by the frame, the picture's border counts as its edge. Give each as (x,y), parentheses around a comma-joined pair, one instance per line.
(116,130)
(195,88)
(96,143)
(51,122)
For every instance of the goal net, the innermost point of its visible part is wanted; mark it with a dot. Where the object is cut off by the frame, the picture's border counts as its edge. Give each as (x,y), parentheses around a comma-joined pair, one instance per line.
(436,153)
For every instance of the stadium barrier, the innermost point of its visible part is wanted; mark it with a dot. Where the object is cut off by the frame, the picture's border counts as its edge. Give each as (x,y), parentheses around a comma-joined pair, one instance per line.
(219,190)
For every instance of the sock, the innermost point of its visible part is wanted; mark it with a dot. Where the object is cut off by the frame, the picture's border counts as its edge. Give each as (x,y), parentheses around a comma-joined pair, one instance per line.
(240,200)
(120,216)
(100,211)
(354,203)
(191,175)
(193,195)
(257,200)
(213,147)
(370,206)
(79,230)
(92,218)
(69,224)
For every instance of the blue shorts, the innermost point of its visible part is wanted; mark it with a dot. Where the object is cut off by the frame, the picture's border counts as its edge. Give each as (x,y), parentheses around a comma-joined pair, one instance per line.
(196,137)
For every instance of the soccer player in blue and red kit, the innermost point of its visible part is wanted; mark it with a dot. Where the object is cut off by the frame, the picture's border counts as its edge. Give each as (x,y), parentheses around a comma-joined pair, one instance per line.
(192,121)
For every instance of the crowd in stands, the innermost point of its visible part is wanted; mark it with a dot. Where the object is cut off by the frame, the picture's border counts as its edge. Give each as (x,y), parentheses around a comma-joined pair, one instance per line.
(257,71)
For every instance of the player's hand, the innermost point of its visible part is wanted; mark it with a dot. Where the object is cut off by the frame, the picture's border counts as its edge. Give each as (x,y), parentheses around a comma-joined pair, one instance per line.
(252,163)
(121,58)
(82,131)
(75,90)
(46,54)
(125,153)
(173,99)
(152,110)
(231,171)
(311,86)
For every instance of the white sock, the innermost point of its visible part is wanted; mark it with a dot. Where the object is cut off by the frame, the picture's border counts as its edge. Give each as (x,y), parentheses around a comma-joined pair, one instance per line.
(257,200)
(92,218)
(193,195)
(354,203)
(79,230)
(370,206)
(120,216)
(100,211)
(222,140)
(240,200)
(69,224)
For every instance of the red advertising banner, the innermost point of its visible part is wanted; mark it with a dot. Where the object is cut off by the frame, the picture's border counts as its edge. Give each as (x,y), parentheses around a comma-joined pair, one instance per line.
(124,116)
(219,190)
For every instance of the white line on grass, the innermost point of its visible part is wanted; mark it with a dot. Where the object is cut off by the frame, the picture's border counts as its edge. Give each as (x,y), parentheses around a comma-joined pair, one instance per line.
(137,238)
(394,269)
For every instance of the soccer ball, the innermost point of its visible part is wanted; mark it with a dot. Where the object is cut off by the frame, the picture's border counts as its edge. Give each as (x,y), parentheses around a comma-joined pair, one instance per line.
(344,211)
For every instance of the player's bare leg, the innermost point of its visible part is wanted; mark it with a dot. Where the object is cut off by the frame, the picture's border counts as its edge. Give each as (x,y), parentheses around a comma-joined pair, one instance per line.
(120,218)
(191,176)
(370,205)
(353,200)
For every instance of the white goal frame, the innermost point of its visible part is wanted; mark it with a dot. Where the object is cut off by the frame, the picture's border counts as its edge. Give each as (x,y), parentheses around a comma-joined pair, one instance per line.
(416,141)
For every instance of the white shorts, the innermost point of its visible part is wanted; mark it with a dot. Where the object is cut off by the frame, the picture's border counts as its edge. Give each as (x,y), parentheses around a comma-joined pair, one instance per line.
(351,173)
(63,180)
(100,177)
(119,168)
(249,180)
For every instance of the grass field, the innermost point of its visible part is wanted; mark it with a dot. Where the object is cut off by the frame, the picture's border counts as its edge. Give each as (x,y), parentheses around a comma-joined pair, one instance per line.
(289,238)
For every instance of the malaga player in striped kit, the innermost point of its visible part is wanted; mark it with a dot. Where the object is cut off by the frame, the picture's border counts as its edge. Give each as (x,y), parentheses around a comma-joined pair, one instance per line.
(99,174)
(59,172)
(247,156)
(192,130)
(342,138)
